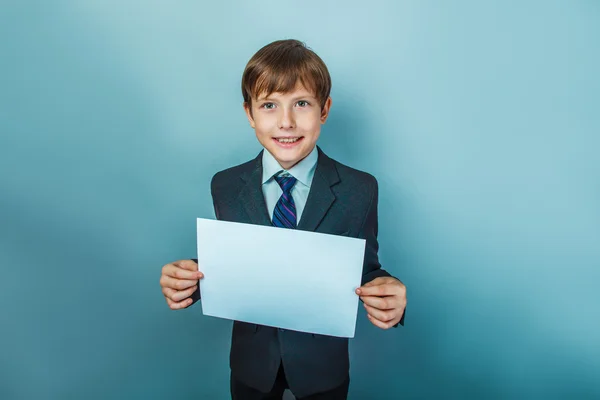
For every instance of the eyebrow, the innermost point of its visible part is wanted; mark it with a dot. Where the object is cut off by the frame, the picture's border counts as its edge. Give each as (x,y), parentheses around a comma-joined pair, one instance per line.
(305,96)
(308,96)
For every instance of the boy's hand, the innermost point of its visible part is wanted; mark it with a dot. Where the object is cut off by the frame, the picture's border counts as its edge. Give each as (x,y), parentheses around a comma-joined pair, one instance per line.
(385,300)
(179,280)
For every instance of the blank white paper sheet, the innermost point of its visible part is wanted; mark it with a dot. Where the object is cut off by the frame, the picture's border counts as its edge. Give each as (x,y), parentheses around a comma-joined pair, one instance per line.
(285,278)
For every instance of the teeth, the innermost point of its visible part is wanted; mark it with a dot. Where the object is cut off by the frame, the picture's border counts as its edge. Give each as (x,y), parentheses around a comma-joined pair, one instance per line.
(287,140)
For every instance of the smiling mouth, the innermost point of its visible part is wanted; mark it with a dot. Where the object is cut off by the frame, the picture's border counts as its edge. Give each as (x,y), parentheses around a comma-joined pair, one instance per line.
(288,140)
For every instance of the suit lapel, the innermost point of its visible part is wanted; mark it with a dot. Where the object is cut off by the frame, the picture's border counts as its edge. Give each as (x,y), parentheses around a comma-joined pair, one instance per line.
(251,195)
(320,197)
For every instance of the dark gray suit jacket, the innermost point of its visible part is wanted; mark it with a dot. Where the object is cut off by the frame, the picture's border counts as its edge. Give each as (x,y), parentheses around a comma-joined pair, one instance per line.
(341,201)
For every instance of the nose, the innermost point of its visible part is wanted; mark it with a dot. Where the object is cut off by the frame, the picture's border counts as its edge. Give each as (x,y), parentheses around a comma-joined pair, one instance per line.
(286,119)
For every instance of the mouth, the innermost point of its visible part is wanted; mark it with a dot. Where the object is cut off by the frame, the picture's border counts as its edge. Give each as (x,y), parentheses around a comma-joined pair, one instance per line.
(288,141)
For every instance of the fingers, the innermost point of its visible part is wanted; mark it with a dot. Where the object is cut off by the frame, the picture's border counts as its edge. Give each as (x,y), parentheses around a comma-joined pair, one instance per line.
(178,299)
(178,295)
(381,303)
(176,271)
(381,324)
(179,305)
(377,281)
(384,299)
(187,265)
(385,289)
(380,315)
(177,284)
(179,280)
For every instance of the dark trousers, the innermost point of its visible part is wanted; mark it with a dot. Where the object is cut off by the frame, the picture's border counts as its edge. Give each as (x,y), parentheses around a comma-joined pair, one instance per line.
(240,391)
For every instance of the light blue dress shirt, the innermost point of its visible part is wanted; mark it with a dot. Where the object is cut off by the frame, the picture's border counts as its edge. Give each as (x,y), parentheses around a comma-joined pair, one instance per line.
(304,172)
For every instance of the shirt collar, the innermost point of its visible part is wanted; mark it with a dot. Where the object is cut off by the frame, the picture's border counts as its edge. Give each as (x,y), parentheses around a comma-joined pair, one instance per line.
(304,171)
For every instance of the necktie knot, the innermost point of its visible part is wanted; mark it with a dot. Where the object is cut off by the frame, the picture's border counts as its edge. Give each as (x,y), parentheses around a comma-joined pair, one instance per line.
(286,181)
(284,215)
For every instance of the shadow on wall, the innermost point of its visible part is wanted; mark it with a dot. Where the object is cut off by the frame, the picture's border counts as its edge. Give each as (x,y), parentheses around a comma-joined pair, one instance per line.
(459,340)
(90,217)
(409,359)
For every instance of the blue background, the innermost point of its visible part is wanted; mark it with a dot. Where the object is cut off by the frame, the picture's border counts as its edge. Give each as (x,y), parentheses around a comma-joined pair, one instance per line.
(479,119)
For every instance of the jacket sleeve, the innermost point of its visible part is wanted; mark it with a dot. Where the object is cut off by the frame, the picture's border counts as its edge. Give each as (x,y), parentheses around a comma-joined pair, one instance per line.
(369,231)
(196,295)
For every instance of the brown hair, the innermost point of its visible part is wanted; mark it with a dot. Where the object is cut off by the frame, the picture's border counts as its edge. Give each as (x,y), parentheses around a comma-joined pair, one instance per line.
(279,66)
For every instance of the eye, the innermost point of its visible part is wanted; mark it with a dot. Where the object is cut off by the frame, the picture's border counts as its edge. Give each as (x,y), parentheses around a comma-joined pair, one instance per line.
(268,106)
(303,103)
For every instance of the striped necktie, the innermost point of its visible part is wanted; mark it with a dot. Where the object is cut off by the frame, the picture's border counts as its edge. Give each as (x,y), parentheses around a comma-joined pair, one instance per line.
(284,215)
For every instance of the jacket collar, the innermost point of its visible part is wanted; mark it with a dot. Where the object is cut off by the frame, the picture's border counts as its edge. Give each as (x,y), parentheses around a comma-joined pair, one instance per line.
(320,197)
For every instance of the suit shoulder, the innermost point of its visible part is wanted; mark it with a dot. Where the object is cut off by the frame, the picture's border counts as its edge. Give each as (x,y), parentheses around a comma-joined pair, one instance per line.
(224,177)
(356,177)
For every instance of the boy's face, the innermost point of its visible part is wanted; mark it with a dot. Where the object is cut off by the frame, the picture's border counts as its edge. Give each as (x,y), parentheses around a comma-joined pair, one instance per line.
(288,124)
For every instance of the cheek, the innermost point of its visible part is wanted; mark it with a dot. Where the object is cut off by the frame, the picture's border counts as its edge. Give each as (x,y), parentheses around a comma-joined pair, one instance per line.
(313,130)
(259,128)
(310,125)
(264,126)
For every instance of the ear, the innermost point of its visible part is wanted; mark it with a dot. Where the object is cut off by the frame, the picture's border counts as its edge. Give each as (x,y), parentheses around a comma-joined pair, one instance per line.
(325,110)
(248,110)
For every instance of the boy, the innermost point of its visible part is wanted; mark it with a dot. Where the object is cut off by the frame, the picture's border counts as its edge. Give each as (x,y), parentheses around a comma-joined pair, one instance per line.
(292,184)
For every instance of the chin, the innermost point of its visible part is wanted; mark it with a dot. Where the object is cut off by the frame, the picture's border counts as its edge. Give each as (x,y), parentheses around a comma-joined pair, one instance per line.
(288,157)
